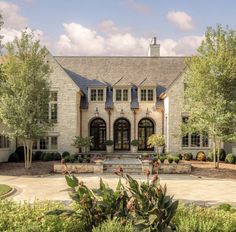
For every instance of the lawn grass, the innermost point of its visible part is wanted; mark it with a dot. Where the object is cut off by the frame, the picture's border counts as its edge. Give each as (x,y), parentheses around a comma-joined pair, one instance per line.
(4,189)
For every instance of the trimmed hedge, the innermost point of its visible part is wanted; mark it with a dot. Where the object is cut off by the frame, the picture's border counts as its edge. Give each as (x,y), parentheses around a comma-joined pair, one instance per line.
(230,158)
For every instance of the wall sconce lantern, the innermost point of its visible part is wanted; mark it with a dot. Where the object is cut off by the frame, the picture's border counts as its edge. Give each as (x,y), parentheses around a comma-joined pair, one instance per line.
(148,112)
(96,112)
(122,112)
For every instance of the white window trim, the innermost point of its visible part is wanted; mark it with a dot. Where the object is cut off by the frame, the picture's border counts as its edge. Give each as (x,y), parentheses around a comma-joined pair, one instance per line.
(121,88)
(189,147)
(104,94)
(49,144)
(147,88)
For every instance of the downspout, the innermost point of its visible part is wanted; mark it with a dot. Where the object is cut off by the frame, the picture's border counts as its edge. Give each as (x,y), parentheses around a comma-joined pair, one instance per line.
(81,119)
(109,124)
(162,116)
(134,124)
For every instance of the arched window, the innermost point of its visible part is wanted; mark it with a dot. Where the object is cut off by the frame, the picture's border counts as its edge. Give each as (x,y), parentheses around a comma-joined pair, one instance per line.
(122,134)
(98,132)
(145,129)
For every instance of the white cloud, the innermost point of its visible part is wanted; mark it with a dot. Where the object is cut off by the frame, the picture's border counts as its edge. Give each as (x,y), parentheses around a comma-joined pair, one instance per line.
(11,16)
(80,40)
(181,19)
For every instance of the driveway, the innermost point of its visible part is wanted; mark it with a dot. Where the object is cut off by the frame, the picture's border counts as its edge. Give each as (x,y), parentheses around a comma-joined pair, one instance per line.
(184,187)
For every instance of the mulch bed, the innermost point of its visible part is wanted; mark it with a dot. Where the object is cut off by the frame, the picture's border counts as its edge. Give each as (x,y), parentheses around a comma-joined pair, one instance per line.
(17,169)
(206,169)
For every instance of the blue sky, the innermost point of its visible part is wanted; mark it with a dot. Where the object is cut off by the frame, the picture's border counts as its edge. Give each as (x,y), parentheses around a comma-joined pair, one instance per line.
(178,24)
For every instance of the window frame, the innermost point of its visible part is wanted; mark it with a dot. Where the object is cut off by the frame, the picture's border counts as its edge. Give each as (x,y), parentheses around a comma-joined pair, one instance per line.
(5,142)
(49,144)
(145,94)
(53,107)
(96,96)
(124,97)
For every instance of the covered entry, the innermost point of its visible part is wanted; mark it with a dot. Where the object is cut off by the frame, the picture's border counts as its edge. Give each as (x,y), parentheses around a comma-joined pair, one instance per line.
(122,134)
(98,132)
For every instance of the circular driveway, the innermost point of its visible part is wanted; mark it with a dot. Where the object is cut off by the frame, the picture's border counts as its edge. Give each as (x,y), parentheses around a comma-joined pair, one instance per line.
(183,187)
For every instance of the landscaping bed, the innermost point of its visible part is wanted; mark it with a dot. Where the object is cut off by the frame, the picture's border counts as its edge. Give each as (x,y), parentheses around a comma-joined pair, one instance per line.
(206,169)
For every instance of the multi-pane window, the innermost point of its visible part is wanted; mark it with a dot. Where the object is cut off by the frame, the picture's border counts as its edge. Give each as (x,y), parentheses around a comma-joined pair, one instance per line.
(121,94)
(143,94)
(100,94)
(194,139)
(43,143)
(93,95)
(96,94)
(46,143)
(53,107)
(125,94)
(150,94)
(147,94)
(4,142)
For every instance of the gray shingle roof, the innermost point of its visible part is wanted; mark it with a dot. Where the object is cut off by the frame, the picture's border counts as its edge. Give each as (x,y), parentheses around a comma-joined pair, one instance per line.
(88,71)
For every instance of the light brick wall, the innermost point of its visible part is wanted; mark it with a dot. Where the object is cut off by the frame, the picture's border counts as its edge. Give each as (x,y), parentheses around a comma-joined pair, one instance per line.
(68,107)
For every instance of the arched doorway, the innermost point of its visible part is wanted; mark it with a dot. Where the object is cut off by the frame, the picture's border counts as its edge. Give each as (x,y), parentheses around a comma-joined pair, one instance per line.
(145,129)
(122,134)
(98,132)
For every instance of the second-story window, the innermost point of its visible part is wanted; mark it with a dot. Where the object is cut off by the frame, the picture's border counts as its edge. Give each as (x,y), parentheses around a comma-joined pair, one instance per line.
(96,94)
(121,94)
(147,94)
(53,107)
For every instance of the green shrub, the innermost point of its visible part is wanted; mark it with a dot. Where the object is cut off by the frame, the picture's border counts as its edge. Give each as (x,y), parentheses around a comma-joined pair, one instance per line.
(48,156)
(32,217)
(210,156)
(162,159)
(201,156)
(188,156)
(170,159)
(20,152)
(65,153)
(176,159)
(42,156)
(230,158)
(80,160)
(109,142)
(56,156)
(114,226)
(134,142)
(69,159)
(14,157)
(222,154)
(37,155)
(197,219)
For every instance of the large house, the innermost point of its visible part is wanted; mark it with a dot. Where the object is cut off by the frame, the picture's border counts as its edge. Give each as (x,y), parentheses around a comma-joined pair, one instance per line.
(119,99)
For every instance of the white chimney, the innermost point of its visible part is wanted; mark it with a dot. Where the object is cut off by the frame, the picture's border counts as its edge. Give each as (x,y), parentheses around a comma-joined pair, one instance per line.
(154,48)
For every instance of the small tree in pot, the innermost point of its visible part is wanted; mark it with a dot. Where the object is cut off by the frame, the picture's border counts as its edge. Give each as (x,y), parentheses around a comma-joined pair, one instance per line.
(158,141)
(83,143)
(109,144)
(134,144)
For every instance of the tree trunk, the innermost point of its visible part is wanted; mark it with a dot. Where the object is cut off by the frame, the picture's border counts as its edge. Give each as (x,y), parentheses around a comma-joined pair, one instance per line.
(218,155)
(28,144)
(214,151)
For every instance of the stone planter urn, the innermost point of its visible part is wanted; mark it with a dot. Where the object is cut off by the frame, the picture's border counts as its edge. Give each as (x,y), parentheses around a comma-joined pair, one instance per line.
(84,149)
(109,148)
(160,149)
(134,149)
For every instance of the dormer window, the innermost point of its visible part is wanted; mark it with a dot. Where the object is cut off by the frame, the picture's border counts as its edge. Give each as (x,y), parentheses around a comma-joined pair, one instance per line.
(147,94)
(121,94)
(96,94)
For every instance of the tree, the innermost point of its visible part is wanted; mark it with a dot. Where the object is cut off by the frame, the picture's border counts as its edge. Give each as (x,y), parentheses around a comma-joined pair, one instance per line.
(210,94)
(24,91)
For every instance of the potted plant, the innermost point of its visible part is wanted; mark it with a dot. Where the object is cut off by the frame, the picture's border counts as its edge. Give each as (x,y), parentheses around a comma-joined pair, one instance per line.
(109,145)
(134,144)
(158,141)
(83,143)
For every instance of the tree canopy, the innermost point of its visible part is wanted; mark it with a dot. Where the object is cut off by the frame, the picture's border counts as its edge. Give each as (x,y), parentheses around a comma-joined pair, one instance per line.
(25,90)
(210,94)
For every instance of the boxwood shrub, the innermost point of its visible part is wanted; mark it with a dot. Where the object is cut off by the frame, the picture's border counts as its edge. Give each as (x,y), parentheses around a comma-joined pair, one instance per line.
(230,158)
(14,157)
(65,153)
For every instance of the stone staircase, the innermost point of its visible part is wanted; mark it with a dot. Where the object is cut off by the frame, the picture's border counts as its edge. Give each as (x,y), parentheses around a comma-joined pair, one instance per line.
(130,165)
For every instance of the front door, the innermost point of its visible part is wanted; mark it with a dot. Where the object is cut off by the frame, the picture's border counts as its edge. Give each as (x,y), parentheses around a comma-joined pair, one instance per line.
(145,129)
(98,132)
(122,135)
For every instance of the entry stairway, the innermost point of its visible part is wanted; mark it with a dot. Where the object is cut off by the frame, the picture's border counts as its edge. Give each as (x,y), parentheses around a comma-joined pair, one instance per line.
(130,163)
